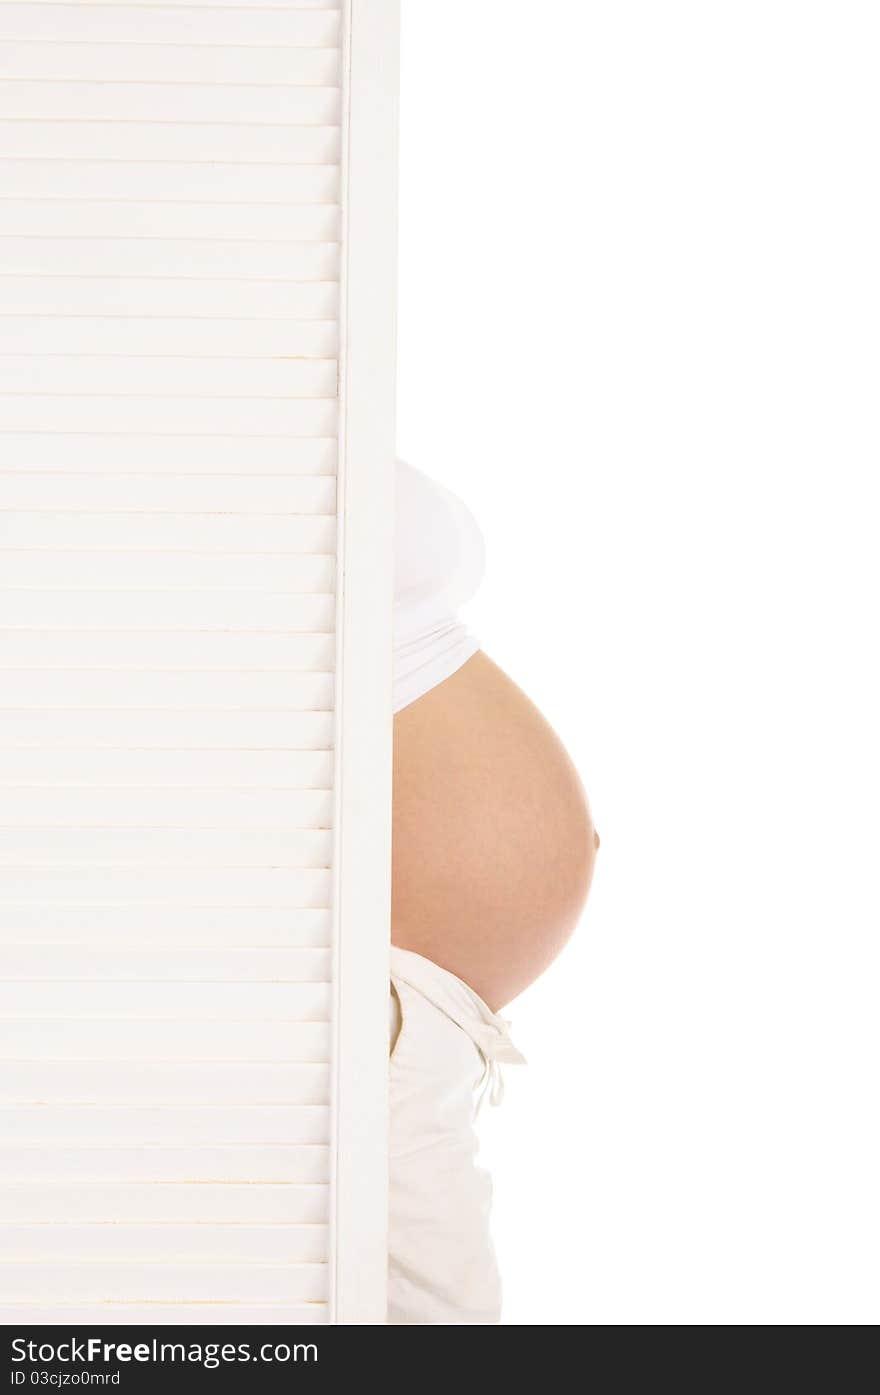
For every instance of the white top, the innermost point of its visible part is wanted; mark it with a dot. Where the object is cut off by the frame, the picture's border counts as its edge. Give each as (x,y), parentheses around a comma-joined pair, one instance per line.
(439,560)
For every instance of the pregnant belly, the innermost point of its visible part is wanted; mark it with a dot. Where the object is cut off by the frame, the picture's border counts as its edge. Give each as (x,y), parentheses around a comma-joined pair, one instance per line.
(493,840)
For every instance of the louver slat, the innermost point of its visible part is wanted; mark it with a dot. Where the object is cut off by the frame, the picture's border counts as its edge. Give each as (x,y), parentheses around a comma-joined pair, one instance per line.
(291,1166)
(167,452)
(270,533)
(73,647)
(126,922)
(71,1039)
(173,494)
(165,1282)
(196,414)
(255,772)
(158,999)
(170,258)
(202,297)
(213,340)
(187,610)
(297,888)
(94,569)
(209,62)
(199,1244)
(303,25)
(164,729)
(229,104)
(165,1314)
(87,962)
(177,375)
(98,1203)
(54,687)
(46,806)
(165,847)
(141,1125)
(127,1083)
(199,835)
(168,140)
(85,217)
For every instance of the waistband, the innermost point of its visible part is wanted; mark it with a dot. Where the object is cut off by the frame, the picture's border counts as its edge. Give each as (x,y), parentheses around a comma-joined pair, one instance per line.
(488,1030)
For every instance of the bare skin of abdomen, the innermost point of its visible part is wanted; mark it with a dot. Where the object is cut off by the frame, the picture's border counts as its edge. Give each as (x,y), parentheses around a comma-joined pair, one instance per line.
(494,844)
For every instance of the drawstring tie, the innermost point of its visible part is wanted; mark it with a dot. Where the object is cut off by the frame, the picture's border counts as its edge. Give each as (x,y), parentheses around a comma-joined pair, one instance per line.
(491,1086)
(492,1039)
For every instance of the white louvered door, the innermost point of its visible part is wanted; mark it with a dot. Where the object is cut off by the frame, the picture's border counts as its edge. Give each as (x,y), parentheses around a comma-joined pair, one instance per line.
(196,356)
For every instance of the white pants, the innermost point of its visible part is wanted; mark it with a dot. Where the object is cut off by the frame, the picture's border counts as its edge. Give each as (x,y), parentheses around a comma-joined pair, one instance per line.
(449,1045)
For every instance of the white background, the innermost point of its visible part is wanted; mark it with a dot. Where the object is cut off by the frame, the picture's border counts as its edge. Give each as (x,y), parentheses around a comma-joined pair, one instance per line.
(639,333)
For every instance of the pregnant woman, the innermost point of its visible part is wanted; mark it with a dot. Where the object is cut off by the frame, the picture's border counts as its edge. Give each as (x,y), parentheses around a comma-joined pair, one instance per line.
(492,861)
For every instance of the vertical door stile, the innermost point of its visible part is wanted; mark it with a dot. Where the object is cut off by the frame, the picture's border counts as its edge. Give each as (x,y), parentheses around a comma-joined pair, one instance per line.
(363,724)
